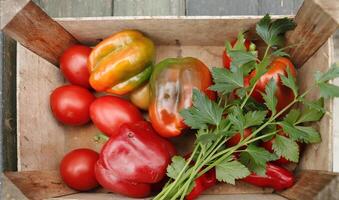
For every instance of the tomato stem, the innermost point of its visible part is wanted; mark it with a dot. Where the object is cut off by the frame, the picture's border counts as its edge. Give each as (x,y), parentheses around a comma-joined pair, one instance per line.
(101,138)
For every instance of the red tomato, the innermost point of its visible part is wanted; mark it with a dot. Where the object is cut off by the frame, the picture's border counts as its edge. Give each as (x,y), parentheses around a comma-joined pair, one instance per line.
(284,94)
(73,64)
(226,59)
(108,113)
(235,139)
(77,169)
(70,104)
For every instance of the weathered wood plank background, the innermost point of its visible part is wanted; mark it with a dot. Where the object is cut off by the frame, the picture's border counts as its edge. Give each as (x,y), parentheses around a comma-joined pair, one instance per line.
(85,8)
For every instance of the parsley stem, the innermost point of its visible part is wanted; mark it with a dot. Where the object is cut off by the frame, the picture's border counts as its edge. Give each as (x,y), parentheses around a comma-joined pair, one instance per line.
(267,49)
(190,179)
(261,137)
(173,184)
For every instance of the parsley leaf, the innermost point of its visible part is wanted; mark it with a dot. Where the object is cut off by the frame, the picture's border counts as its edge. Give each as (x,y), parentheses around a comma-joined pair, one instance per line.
(203,112)
(260,69)
(286,147)
(301,133)
(240,57)
(237,118)
(280,53)
(255,158)
(273,32)
(254,118)
(292,116)
(178,163)
(332,73)
(311,114)
(229,171)
(226,81)
(269,96)
(289,81)
(328,90)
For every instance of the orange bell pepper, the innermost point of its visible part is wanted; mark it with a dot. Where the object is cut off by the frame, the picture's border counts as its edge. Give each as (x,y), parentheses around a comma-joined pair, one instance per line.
(121,62)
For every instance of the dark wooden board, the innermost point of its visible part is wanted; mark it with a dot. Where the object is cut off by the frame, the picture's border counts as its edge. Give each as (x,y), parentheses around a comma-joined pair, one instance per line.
(8,104)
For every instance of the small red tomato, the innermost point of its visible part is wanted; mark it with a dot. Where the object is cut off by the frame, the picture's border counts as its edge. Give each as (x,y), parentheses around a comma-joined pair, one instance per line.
(226,58)
(108,113)
(235,139)
(77,169)
(73,65)
(70,104)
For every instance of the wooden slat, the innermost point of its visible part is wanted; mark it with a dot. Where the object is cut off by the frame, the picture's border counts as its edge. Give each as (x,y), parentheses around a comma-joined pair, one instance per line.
(37,185)
(149,7)
(222,7)
(314,185)
(77,8)
(317,20)
(318,156)
(104,196)
(8,86)
(37,31)
(276,7)
(40,137)
(177,30)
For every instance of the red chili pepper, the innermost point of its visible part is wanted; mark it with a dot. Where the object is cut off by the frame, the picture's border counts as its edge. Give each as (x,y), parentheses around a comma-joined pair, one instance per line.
(133,159)
(202,183)
(276,177)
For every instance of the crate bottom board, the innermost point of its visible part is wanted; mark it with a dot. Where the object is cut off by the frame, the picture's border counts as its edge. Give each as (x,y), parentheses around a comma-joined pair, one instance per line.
(48,185)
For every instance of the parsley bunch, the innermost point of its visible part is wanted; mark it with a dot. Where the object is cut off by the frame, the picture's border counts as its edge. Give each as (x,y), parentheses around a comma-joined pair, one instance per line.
(217,122)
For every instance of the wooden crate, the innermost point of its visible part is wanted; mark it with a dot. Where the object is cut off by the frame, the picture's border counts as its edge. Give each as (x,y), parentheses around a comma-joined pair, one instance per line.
(42,141)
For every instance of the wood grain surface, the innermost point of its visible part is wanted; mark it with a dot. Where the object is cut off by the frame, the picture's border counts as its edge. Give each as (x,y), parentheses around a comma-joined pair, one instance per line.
(40,136)
(314,26)
(38,185)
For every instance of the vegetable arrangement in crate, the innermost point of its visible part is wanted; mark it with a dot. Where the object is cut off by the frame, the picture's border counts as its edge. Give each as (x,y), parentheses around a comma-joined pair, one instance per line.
(246,115)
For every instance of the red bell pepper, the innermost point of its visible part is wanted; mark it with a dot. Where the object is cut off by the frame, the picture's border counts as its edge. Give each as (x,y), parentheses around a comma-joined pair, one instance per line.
(202,183)
(133,159)
(276,177)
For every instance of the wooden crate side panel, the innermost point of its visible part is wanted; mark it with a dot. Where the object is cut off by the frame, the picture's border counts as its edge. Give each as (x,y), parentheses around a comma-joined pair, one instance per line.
(178,30)
(105,196)
(40,137)
(318,156)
